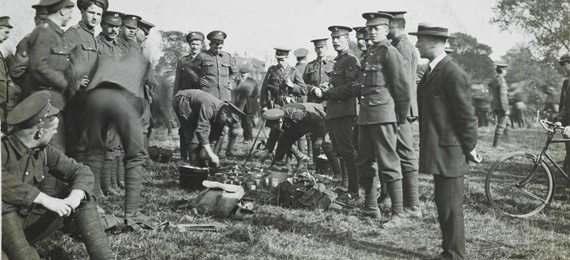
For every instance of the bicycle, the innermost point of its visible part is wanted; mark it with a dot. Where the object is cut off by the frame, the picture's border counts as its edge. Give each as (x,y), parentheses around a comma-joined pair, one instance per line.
(521,184)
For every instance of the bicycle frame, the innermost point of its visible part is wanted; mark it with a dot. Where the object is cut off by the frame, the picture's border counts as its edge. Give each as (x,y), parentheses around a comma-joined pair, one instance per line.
(550,139)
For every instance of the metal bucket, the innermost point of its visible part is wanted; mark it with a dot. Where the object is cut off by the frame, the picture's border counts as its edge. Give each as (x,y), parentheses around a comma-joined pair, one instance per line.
(191,177)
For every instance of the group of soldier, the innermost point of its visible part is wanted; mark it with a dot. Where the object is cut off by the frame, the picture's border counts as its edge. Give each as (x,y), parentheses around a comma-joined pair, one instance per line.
(98,109)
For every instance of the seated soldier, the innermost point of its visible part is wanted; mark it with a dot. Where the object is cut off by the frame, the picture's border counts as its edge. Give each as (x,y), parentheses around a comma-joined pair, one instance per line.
(298,120)
(29,215)
(203,117)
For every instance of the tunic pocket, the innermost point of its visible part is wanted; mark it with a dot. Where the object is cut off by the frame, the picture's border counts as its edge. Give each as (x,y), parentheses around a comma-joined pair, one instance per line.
(372,75)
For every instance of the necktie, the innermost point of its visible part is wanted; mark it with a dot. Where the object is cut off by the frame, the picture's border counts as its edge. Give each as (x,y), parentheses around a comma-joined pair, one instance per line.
(428,70)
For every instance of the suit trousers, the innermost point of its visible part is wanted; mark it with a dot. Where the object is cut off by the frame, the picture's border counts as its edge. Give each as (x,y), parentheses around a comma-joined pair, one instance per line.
(378,142)
(449,202)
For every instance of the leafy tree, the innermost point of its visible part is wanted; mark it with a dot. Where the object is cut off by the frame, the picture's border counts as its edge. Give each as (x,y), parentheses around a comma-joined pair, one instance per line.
(173,46)
(548,22)
(472,56)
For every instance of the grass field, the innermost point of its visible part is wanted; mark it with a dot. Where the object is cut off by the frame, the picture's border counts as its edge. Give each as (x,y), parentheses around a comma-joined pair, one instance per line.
(278,233)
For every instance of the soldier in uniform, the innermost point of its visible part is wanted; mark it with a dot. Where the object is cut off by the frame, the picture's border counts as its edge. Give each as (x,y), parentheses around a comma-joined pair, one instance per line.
(29,215)
(18,70)
(384,105)
(299,119)
(282,84)
(143,31)
(187,78)
(217,73)
(482,105)
(112,174)
(341,106)
(316,72)
(8,92)
(301,55)
(127,39)
(203,117)
(500,103)
(246,93)
(405,145)
(448,134)
(361,39)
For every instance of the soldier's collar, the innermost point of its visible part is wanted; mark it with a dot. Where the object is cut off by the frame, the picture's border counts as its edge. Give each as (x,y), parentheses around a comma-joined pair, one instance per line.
(345,52)
(49,23)
(398,38)
(20,148)
(86,28)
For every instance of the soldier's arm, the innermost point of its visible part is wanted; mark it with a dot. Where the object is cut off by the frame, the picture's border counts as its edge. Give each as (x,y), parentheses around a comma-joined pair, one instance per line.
(203,124)
(177,77)
(398,78)
(77,175)
(344,91)
(43,44)
(20,65)
(504,88)
(264,95)
(299,87)
(458,94)
(71,37)
(233,69)
(14,190)
(307,79)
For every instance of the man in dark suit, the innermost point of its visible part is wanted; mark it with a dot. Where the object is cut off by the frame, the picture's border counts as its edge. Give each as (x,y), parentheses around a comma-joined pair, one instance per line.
(384,104)
(246,93)
(448,134)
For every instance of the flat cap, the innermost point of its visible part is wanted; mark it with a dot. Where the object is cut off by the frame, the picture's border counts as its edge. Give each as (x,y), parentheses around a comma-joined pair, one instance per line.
(32,110)
(194,36)
(145,26)
(273,114)
(339,30)
(564,58)
(501,65)
(360,32)
(281,53)
(432,30)
(84,4)
(131,21)
(301,52)
(396,14)
(52,6)
(217,35)
(373,19)
(244,70)
(5,21)
(113,18)
(320,42)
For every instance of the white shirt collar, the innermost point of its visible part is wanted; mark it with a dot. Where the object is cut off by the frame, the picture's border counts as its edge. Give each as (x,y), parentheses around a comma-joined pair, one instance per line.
(435,61)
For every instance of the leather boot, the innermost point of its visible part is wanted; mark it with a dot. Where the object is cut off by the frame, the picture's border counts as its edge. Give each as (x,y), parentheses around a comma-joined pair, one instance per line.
(121,171)
(114,177)
(395,191)
(352,173)
(133,183)
(370,208)
(106,182)
(91,231)
(411,195)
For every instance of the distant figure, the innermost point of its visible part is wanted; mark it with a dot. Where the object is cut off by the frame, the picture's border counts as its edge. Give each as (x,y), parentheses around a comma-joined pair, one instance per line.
(551,106)
(500,104)
(482,103)
(518,101)
(246,93)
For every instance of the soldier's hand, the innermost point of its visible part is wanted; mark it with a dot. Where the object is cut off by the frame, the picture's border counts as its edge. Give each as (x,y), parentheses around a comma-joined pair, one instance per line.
(74,198)
(215,159)
(318,92)
(289,83)
(56,205)
(325,86)
(474,156)
(84,81)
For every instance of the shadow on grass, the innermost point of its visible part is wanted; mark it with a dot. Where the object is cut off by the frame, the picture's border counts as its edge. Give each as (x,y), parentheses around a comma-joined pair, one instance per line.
(326,234)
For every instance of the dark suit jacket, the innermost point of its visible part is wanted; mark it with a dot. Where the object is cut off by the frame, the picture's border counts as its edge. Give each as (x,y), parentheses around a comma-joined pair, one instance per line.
(448,126)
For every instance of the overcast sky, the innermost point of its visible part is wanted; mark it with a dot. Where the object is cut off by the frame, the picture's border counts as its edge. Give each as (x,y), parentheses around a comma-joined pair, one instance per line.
(255,27)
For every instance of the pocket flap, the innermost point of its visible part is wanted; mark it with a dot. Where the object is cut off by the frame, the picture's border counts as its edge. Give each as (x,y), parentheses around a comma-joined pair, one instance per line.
(448,141)
(373,67)
(87,47)
(59,50)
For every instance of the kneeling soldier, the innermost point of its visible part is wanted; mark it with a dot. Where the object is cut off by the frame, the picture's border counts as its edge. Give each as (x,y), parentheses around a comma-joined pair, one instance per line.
(29,215)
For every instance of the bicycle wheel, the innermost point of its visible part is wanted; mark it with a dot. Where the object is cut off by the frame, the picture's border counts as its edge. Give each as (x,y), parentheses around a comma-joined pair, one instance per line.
(519,186)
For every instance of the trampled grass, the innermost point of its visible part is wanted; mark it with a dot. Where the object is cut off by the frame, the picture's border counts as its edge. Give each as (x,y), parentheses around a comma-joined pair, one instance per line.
(279,233)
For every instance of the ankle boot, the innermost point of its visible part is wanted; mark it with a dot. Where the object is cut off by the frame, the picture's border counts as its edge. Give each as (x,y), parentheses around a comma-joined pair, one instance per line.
(120,172)
(370,208)
(106,182)
(91,231)
(411,195)
(133,183)
(352,172)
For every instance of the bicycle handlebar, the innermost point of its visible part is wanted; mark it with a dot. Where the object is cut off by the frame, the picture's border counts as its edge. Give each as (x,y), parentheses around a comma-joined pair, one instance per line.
(550,126)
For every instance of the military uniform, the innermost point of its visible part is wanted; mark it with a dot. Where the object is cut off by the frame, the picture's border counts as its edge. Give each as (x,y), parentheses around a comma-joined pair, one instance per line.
(248,93)
(186,74)
(23,169)
(274,91)
(197,112)
(108,48)
(384,104)
(81,41)
(10,93)
(405,145)
(341,109)
(216,73)
(482,105)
